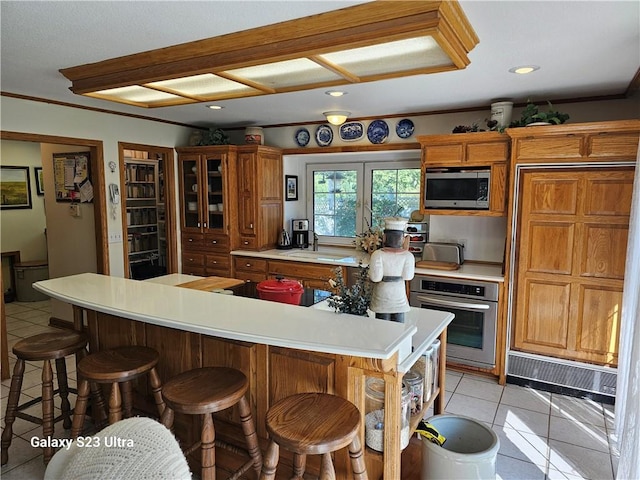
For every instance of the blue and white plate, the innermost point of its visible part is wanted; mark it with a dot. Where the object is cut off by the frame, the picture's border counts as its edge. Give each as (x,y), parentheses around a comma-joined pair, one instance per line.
(324,135)
(404,128)
(302,137)
(378,131)
(351,131)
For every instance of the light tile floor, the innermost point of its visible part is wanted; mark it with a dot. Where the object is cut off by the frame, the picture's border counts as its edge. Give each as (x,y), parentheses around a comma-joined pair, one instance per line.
(542,435)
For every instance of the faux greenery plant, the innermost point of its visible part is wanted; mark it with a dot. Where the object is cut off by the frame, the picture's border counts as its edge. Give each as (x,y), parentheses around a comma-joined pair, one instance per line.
(355,299)
(531,114)
(214,136)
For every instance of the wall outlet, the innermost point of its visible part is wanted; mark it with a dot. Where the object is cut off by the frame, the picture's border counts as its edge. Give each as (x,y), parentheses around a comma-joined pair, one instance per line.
(115,237)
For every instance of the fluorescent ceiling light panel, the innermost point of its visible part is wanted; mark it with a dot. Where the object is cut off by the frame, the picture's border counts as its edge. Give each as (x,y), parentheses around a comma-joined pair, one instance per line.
(362,43)
(206,86)
(137,95)
(286,74)
(398,56)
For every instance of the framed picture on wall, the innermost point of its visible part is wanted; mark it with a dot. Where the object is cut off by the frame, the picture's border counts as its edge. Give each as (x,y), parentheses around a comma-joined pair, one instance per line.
(291,183)
(15,188)
(39,180)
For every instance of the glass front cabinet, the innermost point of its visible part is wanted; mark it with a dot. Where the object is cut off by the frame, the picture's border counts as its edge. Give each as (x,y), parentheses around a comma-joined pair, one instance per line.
(206,208)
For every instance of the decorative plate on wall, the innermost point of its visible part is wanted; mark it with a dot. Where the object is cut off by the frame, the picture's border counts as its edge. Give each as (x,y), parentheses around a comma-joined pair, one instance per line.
(324,135)
(302,137)
(378,131)
(404,128)
(351,131)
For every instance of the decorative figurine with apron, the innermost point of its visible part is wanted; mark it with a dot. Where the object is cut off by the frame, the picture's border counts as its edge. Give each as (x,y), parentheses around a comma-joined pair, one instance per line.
(389,268)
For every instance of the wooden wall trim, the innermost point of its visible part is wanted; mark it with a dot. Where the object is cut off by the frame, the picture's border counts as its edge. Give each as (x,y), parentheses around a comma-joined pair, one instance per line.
(353,148)
(98,179)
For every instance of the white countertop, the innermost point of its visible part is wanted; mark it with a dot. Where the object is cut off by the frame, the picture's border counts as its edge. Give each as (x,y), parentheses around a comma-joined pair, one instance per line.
(349,257)
(158,302)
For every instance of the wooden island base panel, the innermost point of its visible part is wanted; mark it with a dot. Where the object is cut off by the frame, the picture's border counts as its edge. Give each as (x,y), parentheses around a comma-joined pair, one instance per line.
(282,349)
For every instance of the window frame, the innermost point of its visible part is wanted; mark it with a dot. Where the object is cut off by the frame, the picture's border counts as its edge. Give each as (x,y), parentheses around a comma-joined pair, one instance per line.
(364,178)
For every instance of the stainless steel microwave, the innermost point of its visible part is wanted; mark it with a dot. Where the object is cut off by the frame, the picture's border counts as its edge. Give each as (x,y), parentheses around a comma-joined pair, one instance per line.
(457,190)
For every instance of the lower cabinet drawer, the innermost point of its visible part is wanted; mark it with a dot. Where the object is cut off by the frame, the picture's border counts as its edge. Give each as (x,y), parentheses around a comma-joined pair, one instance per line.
(216,243)
(248,243)
(249,276)
(217,272)
(192,240)
(249,264)
(217,261)
(191,270)
(192,259)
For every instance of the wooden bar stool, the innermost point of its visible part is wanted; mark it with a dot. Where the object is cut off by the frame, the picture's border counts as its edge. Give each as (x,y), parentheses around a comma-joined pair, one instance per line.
(204,391)
(313,424)
(116,366)
(46,347)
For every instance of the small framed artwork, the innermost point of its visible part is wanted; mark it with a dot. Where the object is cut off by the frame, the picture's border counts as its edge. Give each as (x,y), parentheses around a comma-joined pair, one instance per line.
(15,188)
(39,180)
(291,182)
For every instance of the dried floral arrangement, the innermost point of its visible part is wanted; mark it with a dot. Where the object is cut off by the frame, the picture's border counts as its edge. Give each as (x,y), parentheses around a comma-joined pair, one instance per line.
(355,299)
(369,241)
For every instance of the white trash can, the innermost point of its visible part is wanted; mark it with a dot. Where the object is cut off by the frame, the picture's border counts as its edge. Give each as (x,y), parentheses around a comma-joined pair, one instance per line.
(469,452)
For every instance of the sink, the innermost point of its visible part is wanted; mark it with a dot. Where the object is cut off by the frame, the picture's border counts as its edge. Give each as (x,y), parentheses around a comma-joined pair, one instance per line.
(317,255)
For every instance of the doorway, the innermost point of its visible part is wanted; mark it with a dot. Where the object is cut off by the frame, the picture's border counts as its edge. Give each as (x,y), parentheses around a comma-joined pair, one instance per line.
(99,234)
(147,200)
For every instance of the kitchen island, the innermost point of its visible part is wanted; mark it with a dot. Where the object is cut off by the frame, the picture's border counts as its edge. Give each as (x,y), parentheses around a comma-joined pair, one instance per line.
(282,349)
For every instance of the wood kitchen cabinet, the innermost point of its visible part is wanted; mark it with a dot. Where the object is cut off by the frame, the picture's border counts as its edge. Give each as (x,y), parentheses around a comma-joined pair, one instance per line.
(310,275)
(571,238)
(260,192)
(468,151)
(208,208)
(249,268)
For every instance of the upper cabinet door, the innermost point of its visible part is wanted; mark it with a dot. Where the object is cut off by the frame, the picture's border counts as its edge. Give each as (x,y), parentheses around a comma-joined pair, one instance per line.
(190,173)
(216,192)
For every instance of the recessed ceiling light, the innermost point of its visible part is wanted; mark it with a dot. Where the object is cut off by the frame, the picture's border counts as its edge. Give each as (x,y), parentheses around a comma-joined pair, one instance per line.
(524,69)
(335,93)
(215,107)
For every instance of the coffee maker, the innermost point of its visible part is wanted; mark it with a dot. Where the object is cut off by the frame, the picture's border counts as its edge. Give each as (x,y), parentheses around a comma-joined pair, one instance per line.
(300,233)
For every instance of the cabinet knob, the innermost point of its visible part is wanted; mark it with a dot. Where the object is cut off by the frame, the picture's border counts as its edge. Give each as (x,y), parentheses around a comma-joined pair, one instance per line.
(246,242)
(190,240)
(251,226)
(214,262)
(198,224)
(214,241)
(248,265)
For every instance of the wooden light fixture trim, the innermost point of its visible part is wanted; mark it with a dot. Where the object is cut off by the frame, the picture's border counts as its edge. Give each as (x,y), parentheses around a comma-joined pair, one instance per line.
(310,38)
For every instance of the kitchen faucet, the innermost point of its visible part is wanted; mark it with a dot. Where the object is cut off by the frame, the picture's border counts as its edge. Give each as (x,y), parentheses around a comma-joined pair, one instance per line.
(315,242)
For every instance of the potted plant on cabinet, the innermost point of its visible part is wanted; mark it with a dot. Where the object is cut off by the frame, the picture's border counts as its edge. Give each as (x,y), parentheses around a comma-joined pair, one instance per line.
(531,115)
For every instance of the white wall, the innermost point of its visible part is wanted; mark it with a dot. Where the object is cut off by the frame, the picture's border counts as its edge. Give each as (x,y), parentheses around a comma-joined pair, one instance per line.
(71,240)
(622,109)
(27,116)
(23,230)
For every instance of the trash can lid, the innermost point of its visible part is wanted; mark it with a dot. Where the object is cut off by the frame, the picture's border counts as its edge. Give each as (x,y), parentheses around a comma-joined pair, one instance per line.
(32,263)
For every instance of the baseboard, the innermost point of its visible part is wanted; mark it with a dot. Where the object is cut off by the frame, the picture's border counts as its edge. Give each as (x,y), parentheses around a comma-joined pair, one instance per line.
(60,323)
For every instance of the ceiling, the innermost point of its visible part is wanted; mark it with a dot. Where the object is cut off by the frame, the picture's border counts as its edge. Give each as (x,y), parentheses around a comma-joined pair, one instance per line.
(584,49)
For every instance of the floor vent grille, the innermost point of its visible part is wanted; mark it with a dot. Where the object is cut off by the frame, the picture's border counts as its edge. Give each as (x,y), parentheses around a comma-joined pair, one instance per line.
(573,375)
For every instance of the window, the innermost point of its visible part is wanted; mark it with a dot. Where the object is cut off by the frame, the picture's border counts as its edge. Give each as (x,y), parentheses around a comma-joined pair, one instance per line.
(348,197)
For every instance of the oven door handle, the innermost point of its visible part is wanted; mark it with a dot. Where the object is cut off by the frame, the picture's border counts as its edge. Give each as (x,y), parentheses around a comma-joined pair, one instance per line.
(447,303)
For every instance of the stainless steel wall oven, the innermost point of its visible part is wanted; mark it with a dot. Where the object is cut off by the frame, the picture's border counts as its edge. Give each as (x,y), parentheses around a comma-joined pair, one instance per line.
(471,337)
